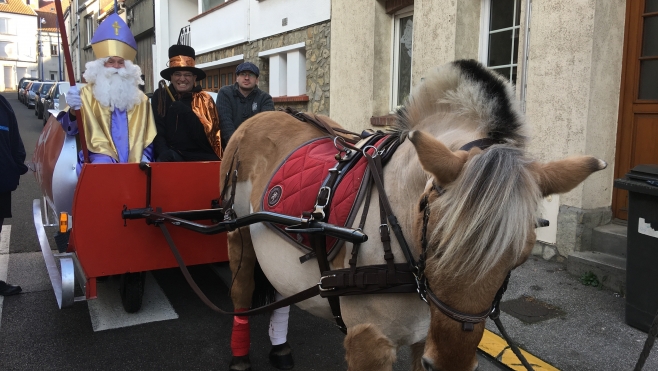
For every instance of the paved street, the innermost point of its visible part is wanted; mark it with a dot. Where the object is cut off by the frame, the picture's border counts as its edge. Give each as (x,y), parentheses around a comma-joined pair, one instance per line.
(173,331)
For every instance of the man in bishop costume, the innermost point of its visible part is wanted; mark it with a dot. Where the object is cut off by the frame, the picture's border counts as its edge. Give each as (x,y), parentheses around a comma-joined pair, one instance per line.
(117,116)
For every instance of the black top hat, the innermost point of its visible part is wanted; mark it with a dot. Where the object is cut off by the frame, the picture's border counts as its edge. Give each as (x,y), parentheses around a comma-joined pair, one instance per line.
(181,58)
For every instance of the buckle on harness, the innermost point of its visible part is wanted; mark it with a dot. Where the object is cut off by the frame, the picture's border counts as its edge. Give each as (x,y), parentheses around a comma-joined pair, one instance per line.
(320,283)
(321,202)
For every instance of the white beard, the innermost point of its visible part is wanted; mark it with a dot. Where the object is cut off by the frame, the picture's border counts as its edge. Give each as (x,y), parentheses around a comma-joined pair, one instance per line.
(115,87)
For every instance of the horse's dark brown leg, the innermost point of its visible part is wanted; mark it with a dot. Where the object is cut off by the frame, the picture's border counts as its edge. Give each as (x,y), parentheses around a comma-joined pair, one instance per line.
(242,260)
(417,351)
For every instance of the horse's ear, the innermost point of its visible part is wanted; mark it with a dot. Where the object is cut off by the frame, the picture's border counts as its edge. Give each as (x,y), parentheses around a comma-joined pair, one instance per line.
(561,176)
(436,158)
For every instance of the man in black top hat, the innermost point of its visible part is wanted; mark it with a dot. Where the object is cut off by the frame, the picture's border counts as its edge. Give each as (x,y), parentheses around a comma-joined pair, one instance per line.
(185,116)
(240,101)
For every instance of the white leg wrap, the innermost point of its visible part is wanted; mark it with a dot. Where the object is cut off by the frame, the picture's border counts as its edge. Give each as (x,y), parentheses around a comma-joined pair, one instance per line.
(279,323)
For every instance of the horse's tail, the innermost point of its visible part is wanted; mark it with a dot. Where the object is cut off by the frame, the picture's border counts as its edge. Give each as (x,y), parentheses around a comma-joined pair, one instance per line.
(487,213)
(473,94)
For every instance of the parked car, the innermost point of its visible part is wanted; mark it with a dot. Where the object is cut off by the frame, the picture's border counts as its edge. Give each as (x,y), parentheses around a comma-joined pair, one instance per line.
(53,98)
(41,94)
(22,83)
(32,94)
(21,90)
(23,97)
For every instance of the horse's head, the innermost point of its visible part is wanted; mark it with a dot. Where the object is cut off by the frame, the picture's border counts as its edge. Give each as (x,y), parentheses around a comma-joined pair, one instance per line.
(477,217)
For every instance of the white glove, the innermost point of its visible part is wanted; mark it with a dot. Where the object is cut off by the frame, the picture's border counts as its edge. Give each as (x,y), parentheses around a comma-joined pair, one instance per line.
(73,98)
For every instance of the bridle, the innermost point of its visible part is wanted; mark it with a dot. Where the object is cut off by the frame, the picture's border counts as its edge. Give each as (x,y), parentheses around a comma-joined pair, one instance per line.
(467,320)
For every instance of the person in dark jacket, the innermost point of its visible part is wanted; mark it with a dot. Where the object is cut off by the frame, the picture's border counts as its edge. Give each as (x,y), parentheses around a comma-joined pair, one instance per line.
(185,116)
(240,101)
(12,156)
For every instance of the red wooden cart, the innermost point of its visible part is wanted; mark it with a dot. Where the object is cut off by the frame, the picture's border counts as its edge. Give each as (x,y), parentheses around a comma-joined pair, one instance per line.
(100,241)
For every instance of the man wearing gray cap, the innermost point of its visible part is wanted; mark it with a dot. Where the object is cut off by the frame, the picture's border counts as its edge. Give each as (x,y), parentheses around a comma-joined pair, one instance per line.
(240,101)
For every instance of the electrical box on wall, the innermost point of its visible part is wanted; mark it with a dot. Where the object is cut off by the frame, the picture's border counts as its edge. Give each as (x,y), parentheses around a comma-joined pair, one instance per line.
(549,208)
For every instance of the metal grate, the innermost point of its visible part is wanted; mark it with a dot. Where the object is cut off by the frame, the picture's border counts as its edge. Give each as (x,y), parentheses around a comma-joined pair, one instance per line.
(185,35)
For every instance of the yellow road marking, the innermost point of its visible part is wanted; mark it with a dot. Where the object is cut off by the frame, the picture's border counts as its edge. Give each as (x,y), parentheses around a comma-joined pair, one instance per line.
(497,347)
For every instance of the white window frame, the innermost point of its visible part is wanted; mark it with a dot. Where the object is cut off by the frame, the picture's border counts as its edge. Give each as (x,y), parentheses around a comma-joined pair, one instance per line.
(89,26)
(408,11)
(8,26)
(287,70)
(485,23)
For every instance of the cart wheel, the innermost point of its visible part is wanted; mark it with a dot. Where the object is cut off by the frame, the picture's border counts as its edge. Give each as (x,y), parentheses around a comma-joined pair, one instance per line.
(131,289)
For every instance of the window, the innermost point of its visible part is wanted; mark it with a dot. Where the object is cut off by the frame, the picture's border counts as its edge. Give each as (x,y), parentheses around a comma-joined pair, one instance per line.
(209,4)
(89,25)
(6,27)
(499,44)
(287,70)
(402,56)
(53,49)
(53,75)
(7,49)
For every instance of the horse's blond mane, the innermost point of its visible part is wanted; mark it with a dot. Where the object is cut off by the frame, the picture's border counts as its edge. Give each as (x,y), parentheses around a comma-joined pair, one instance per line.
(488,212)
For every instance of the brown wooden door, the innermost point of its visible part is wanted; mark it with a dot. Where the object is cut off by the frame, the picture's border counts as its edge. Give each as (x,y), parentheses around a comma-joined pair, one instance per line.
(637,135)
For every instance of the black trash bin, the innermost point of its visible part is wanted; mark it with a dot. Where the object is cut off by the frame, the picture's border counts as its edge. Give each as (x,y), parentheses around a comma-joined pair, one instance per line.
(642,251)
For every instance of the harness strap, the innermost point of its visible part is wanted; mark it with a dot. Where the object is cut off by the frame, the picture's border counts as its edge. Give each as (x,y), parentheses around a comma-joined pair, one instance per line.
(392,220)
(322,125)
(303,295)
(319,243)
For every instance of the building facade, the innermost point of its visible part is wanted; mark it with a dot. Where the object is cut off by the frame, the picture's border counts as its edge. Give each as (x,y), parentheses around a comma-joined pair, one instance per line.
(18,43)
(288,40)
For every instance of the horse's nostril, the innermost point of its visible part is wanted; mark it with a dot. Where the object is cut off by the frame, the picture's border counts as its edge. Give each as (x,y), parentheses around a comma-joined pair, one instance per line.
(427,365)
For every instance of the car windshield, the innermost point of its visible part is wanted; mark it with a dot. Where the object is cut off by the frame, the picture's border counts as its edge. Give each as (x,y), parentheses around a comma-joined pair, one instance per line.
(56,91)
(35,87)
(44,88)
(24,84)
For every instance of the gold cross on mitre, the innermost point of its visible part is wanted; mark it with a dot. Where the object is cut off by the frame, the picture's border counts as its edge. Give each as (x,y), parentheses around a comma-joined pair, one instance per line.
(116,27)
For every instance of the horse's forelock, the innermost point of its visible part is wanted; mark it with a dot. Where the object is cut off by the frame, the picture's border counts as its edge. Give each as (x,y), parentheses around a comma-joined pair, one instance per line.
(489,211)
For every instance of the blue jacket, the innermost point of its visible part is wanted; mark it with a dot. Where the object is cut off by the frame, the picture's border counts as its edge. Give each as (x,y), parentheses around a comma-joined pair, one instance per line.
(12,151)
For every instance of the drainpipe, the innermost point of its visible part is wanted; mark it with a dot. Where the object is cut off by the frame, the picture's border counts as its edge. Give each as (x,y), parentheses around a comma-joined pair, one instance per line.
(524,73)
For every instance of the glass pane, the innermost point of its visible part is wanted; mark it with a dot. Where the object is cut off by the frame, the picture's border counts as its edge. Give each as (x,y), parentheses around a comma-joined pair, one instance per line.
(649,37)
(517,17)
(504,72)
(502,14)
(215,80)
(500,48)
(651,6)
(223,79)
(404,58)
(209,4)
(230,78)
(514,75)
(648,80)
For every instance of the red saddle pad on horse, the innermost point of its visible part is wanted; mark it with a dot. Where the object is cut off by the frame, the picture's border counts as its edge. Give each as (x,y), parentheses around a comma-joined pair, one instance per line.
(294,188)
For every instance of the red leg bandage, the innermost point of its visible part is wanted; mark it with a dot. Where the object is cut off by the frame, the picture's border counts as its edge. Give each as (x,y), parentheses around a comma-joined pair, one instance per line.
(240,338)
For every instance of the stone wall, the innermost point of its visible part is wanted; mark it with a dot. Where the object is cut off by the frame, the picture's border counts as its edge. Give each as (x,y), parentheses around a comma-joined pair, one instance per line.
(317,39)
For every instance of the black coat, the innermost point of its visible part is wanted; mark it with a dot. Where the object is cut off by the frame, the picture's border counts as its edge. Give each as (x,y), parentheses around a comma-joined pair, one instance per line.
(12,151)
(180,129)
(234,108)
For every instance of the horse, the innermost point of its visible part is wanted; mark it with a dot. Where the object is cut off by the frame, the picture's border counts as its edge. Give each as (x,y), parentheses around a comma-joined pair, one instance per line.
(473,208)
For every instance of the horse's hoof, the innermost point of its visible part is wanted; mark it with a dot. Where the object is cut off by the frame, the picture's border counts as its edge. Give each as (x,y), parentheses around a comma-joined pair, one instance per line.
(281,357)
(241,363)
